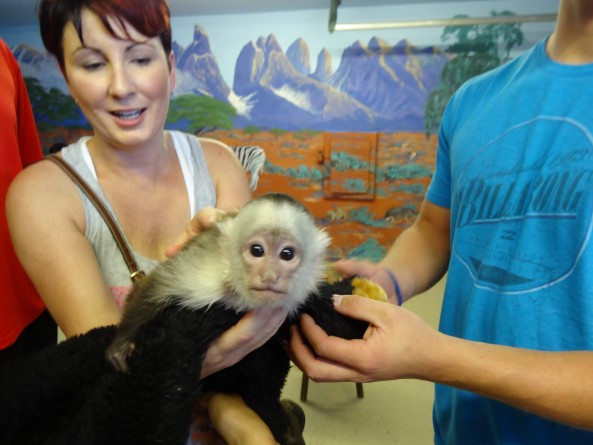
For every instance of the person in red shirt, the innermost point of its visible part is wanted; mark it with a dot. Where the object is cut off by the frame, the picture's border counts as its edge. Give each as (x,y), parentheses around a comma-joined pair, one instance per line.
(25,324)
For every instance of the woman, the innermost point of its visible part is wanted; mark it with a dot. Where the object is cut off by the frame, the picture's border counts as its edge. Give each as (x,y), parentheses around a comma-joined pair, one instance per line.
(117,61)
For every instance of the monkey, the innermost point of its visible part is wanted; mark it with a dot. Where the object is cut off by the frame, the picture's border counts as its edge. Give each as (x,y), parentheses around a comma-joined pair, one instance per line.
(270,253)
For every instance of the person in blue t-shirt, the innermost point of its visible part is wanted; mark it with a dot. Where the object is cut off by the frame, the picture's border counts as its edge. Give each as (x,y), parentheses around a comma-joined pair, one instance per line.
(508,216)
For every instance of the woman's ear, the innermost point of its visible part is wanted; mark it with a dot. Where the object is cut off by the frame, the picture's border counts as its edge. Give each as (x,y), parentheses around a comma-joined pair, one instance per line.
(172,78)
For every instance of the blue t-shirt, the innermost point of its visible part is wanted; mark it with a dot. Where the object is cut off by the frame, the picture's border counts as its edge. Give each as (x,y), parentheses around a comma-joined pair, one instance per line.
(515,166)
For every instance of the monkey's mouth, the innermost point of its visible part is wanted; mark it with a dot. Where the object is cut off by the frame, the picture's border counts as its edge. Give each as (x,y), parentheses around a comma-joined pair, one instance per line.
(269,293)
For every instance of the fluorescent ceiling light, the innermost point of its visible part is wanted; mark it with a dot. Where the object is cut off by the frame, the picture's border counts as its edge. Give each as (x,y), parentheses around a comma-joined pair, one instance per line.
(447,22)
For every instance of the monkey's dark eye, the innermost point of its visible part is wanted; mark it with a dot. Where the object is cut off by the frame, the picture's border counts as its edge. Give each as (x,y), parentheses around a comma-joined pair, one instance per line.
(287,254)
(257,250)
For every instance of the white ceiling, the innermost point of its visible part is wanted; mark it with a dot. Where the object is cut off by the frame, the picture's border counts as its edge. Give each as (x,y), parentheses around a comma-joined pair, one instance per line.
(22,12)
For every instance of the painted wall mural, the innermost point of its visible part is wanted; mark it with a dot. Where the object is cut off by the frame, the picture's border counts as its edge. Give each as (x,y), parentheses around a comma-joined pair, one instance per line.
(288,104)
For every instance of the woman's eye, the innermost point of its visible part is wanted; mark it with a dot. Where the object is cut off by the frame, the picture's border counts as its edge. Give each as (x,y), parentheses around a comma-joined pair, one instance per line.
(143,60)
(92,66)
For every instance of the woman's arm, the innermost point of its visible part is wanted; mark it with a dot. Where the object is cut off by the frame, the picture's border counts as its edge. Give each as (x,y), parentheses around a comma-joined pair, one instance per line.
(47,224)
(236,422)
(228,175)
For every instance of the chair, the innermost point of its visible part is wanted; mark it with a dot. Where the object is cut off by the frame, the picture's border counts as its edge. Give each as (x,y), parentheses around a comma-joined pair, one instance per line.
(305,388)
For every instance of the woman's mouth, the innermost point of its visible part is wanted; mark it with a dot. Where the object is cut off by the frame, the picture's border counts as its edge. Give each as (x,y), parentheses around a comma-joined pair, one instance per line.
(128,115)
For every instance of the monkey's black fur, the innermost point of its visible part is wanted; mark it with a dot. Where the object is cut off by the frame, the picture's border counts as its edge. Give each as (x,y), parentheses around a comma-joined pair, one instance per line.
(69,394)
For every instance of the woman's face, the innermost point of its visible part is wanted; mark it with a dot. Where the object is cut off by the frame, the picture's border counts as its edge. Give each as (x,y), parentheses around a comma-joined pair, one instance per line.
(122,86)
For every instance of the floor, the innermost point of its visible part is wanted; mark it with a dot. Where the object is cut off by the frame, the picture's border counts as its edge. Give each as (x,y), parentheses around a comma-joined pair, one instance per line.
(396,412)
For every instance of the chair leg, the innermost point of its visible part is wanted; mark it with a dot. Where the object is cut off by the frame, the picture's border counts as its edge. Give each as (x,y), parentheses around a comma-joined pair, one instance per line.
(304,388)
(359,391)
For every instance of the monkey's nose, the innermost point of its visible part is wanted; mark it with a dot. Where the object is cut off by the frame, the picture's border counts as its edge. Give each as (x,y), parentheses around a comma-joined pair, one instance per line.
(269,276)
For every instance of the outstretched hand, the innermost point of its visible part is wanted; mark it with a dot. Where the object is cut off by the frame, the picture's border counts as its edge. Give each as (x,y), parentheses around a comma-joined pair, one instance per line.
(252,331)
(396,345)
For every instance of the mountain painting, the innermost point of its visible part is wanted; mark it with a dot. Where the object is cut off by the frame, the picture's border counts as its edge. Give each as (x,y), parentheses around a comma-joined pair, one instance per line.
(309,118)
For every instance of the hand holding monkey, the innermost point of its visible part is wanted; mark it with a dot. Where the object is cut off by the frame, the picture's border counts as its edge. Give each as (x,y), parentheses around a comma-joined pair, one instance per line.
(397,344)
(254,329)
(203,220)
(370,270)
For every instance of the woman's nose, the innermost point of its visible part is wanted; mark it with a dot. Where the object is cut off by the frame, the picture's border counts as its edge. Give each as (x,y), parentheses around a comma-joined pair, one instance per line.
(121,83)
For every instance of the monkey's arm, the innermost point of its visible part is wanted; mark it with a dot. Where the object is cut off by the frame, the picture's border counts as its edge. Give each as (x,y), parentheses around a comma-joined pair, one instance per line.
(320,307)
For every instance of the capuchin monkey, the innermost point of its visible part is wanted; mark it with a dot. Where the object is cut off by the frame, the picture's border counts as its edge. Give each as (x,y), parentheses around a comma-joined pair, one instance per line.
(269,254)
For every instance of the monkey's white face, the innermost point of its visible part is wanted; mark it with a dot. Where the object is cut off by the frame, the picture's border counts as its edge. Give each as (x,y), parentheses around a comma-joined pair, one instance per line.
(270,262)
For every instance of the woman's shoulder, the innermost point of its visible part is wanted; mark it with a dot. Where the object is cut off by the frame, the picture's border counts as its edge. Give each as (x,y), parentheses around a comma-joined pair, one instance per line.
(44,187)
(191,142)
(38,177)
(45,172)
(214,146)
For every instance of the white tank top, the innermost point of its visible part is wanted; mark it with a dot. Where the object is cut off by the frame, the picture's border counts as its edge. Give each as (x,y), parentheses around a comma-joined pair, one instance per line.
(200,190)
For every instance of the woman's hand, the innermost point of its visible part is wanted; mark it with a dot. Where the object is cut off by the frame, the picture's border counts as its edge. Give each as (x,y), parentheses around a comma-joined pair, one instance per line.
(203,220)
(252,331)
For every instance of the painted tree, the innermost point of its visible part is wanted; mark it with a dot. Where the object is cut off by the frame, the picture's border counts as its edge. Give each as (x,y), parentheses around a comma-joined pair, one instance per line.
(53,108)
(198,114)
(476,49)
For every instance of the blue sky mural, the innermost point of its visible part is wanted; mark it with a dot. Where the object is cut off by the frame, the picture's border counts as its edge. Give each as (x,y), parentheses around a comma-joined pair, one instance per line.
(285,70)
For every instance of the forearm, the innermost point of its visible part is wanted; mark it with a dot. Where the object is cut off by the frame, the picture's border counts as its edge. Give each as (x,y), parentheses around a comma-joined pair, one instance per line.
(236,422)
(555,385)
(419,257)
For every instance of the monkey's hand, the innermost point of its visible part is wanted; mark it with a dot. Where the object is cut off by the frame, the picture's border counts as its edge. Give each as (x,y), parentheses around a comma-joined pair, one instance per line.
(203,220)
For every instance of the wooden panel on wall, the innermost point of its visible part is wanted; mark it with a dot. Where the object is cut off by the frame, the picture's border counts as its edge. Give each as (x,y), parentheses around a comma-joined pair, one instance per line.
(349,165)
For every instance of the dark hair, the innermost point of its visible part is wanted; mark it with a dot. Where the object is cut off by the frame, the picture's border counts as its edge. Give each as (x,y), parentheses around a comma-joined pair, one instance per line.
(149,17)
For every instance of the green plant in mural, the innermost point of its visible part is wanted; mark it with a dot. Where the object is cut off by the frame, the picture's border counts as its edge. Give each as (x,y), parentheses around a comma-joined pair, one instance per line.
(301,172)
(305,134)
(476,49)
(52,107)
(370,250)
(198,114)
(277,132)
(362,215)
(394,172)
(342,161)
(251,130)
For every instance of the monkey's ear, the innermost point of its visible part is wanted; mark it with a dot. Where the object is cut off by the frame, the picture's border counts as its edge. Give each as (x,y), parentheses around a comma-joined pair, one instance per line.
(368,288)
